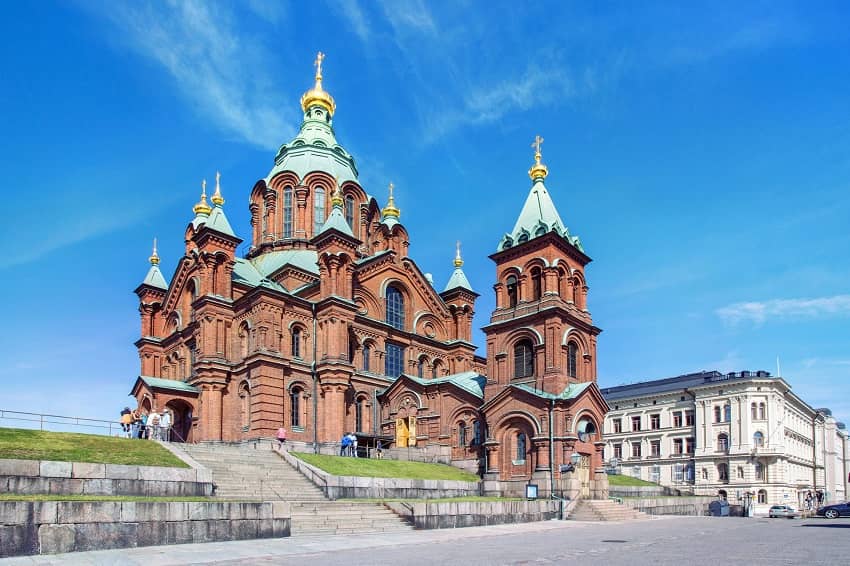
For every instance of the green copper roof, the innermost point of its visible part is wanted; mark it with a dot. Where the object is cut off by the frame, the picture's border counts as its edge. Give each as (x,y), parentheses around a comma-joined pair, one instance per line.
(315,149)
(458,279)
(336,221)
(200,218)
(244,272)
(154,278)
(171,384)
(470,381)
(268,263)
(218,221)
(572,391)
(538,216)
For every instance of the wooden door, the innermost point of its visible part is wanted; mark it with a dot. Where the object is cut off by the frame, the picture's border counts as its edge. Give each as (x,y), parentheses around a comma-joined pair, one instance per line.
(411,431)
(584,475)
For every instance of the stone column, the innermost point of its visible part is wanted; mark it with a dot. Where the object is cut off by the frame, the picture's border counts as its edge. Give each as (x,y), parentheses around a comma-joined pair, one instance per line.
(211,396)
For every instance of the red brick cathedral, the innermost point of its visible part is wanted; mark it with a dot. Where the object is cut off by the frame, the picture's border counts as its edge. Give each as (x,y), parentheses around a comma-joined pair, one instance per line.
(327,325)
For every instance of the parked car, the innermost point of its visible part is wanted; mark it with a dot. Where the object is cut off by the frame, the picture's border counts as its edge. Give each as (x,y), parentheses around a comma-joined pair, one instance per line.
(783,511)
(834,511)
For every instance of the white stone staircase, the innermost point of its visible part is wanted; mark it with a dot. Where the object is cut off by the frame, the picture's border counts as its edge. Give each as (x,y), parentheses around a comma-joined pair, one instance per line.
(604,510)
(242,472)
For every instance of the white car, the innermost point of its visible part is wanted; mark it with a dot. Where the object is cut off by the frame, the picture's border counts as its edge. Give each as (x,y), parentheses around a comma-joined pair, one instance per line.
(783,511)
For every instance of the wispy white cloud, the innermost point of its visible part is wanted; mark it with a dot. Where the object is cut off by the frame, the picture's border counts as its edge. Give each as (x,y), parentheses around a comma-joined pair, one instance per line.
(222,72)
(786,309)
(353,13)
(409,15)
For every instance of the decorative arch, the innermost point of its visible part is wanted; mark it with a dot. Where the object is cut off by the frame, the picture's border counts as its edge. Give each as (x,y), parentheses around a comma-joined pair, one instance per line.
(520,414)
(245,405)
(407,399)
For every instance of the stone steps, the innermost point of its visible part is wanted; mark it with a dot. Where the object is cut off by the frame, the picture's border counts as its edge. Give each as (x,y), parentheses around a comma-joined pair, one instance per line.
(605,510)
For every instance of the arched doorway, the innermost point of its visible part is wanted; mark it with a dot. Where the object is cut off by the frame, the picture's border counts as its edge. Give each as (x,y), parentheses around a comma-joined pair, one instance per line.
(722,494)
(181,420)
(516,449)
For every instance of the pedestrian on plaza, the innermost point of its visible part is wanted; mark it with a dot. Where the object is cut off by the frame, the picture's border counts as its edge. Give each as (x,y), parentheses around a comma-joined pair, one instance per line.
(126,421)
(354,445)
(344,444)
(165,425)
(379,450)
(153,425)
(281,438)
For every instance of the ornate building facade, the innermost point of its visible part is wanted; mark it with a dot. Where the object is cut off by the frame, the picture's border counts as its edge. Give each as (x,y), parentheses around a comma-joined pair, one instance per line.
(327,325)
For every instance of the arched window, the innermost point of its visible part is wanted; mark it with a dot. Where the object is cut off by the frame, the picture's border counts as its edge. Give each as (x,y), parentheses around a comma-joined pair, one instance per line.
(727,412)
(717,415)
(295,406)
(461,434)
(536,283)
(576,292)
(761,412)
(420,367)
(753,412)
(435,369)
(244,334)
(296,342)
(395,308)
(758,439)
(523,359)
(367,353)
(477,433)
(722,442)
(511,286)
(287,212)
(723,472)
(245,406)
(358,414)
(759,471)
(349,210)
(318,209)
(762,496)
(521,442)
(572,359)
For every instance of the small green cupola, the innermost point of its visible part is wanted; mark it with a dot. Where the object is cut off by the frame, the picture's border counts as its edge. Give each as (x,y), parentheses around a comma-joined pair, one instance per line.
(217,220)
(458,279)
(538,215)
(154,277)
(390,214)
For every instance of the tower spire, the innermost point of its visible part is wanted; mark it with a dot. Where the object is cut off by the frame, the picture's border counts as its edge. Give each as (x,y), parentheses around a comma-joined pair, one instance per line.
(458,260)
(538,170)
(390,211)
(202,207)
(217,199)
(154,258)
(317,94)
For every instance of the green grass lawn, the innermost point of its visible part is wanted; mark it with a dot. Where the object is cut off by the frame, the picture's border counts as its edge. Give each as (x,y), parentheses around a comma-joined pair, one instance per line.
(22,444)
(365,467)
(628,481)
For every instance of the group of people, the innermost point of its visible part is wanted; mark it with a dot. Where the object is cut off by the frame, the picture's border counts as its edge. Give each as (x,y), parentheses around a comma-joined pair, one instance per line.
(813,500)
(142,424)
(348,445)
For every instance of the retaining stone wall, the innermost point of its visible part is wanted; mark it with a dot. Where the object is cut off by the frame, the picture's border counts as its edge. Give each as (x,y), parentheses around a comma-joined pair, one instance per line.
(49,527)
(80,478)
(671,505)
(643,491)
(353,487)
(475,513)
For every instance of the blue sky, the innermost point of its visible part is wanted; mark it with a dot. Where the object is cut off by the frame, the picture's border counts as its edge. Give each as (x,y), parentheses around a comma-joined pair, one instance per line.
(702,153)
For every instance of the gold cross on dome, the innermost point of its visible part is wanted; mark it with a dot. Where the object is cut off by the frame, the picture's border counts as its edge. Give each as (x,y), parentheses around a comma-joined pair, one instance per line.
(538,141)
(318,62)
(391,190)
(204,187)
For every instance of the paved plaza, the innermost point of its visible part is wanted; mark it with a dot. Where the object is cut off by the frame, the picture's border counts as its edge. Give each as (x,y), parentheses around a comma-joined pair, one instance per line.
(668,540)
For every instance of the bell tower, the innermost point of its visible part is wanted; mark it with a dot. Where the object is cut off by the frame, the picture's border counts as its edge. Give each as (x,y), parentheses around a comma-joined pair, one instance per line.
(541,334)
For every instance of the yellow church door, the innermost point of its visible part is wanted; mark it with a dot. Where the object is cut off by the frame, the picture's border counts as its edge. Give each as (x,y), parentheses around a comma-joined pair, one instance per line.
(405,432)
(411,431)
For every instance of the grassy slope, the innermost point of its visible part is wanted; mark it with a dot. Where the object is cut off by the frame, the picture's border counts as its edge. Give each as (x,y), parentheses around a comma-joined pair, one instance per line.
(628,481)
(345,466)
(24,444)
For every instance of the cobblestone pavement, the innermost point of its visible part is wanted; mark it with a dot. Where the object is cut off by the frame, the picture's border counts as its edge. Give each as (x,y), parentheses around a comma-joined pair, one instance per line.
(668,540)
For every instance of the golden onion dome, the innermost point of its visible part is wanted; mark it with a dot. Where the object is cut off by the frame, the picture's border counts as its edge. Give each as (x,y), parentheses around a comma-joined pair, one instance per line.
(390,211)
(317,95)
(336,197)
(202,207)
(538,170)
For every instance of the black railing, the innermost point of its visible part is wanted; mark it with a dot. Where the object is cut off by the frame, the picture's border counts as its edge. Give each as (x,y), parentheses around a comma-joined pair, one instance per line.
(59,423)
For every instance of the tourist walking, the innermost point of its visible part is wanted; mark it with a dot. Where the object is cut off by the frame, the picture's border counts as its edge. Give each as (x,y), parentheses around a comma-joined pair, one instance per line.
(354,445)
(126,421)
(281,438)
(344,444)
(153,425)
(165,425)
(379,450)
(143,425)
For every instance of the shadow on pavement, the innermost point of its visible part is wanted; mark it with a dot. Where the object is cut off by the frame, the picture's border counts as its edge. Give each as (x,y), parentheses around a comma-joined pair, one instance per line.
(828,525)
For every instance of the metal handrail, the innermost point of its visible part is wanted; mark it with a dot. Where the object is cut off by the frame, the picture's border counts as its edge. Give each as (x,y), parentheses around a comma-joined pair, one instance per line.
(44,421)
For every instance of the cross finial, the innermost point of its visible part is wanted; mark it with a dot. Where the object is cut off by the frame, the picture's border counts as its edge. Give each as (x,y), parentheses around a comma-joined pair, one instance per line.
(391,189)
(538,141)
(204,188)
(318,62)
(217,179)
(154,258)
(217,199)
(458,259)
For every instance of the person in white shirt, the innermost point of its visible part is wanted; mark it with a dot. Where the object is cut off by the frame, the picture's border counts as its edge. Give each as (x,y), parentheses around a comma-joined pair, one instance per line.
(153,425)
(165,425)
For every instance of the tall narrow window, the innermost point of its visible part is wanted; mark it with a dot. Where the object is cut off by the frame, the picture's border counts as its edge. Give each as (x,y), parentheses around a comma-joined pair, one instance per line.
(476,433)
(318,209)
(761,412)
(367,353)
(572,359)
(295,407)
(395,308)
(723,472)
(722,442)
(520,447)
(461,434)
(296,342)
(511,286)
(349,211)
(523,359)
(753,413)
(717,415)
(762,496)
(287,212)
(435,369)
(727,412)
(758,440)
(358,414)
(394,360)
(420,368)
(536,283)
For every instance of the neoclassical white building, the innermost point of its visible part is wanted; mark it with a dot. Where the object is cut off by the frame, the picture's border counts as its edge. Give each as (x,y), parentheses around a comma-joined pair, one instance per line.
(727,434)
